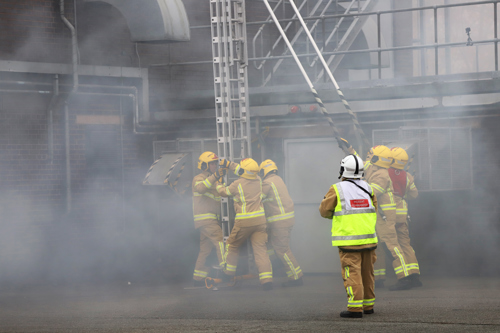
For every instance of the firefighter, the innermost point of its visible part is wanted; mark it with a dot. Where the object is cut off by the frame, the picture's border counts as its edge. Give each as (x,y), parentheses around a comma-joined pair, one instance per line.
(368,170)
(404,187)
(343,143)
(386,221)
(278,206)
(352,206)
(250,220)
(206,211)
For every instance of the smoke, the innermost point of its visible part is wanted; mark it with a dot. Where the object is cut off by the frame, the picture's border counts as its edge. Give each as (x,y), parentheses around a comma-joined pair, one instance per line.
(146,234)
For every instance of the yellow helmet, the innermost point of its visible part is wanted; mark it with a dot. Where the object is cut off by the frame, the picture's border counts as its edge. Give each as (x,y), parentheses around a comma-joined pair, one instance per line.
(266,167)
(247,168)
(382,156)
(400,157)
(206,158)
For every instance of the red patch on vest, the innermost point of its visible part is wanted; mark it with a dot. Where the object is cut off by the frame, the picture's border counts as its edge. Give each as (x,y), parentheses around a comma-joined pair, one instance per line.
(360,203)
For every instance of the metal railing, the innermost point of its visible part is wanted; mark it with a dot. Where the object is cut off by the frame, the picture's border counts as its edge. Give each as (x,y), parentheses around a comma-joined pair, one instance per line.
(436,45)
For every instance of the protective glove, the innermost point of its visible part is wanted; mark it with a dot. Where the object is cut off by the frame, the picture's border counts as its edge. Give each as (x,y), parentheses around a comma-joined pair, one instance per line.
(344,143)
(221,172)
(224,163)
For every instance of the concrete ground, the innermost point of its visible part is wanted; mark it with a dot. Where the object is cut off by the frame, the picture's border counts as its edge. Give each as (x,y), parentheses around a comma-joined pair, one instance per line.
(442,305)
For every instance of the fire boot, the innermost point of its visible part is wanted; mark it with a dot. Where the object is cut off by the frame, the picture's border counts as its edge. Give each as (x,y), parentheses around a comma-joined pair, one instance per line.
(293,283)
(197,283)
(226,278)
(369,311)
(402,284)
(415,280)
(267,286)
(350,314)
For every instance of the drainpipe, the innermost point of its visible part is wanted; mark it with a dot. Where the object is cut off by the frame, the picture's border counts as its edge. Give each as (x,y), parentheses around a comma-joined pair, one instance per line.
(68,165)
(50,118)
(74,43)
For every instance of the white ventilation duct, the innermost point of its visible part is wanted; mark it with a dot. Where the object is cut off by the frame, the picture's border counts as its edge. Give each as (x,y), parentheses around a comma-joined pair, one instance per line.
(153,20)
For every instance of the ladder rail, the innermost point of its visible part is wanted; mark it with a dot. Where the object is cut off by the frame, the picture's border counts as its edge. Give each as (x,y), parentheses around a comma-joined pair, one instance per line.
(292,42)
(230,60)
(364,140)
(348,38)
(334,31)
(276,43)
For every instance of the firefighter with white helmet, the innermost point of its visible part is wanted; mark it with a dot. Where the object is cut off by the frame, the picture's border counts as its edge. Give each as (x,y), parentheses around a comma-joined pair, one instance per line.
(206,211)
(352,206)
(250,220)
(367,163)
(280,215)
(380,271)
(386,222)
(404,188)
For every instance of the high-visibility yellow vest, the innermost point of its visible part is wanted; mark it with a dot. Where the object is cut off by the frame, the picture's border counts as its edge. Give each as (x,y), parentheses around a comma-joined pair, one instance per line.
(354,218)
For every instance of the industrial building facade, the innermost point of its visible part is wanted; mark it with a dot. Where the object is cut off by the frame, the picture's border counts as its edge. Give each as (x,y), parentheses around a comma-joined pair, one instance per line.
(74,153)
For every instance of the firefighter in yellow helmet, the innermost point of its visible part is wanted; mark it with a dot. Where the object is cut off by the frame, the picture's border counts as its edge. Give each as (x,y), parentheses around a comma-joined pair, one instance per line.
(206,211)
(352,206)
(381,183)
(250,220)
(404,188)
(278,206)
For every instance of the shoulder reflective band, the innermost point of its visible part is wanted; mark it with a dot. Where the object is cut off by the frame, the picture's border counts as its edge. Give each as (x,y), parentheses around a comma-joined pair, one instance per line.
(278,199)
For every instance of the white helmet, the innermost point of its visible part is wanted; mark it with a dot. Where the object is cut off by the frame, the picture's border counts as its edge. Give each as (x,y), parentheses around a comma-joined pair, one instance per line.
(351,166)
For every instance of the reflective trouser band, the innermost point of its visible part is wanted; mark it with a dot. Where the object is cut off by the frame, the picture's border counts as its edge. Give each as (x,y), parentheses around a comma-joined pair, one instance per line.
(401,211)
(222,253)
(351,302)
(201,274)
(403,264)
(370,301)
(290,274)
(230,268)
(266,275)
(355,237)
(258,213)
(271,252)
(355,304)
(379,272)
(208,216)
(292,268)
(280,217)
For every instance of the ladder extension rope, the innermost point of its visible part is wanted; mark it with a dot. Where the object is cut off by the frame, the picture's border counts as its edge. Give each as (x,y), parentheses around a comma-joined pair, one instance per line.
(353,116)
(336,133)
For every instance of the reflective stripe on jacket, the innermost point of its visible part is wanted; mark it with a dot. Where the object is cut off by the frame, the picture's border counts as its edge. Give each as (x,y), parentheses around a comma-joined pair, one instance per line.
(380,181)
(277,201)
(354,217)
(247,200)
(206,200)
